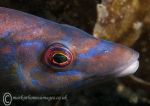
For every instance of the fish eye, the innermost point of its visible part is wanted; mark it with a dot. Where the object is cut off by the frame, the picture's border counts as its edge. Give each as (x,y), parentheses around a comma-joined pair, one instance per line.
(58,56)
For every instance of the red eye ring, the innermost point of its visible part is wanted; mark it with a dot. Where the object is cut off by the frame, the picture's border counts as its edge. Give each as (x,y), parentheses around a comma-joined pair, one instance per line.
(58,56)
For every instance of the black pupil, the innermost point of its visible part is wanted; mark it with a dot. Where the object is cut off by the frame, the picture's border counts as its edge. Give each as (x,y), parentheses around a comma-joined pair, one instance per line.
(59,58)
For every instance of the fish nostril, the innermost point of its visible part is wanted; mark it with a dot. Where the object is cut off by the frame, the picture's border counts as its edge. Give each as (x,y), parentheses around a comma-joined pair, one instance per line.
(106,51)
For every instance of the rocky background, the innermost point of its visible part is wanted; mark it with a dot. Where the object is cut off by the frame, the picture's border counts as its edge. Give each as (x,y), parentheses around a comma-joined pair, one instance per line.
(122,21)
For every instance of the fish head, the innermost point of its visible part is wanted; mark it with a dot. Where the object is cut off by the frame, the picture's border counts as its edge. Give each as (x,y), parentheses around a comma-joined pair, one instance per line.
(71,60)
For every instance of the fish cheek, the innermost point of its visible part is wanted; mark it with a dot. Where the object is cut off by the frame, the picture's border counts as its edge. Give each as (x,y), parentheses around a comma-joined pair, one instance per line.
(7,57)
(28,56)
(47,80)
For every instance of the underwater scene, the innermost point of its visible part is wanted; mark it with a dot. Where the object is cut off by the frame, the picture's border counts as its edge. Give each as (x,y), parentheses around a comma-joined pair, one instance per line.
(74,53)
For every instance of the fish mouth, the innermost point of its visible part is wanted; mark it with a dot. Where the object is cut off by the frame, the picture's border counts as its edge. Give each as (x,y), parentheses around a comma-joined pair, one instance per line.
(131,66)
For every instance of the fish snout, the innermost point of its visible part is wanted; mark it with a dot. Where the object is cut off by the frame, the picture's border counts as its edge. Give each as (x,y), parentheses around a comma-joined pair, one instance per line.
(130,62)
(108,59)
(127,60)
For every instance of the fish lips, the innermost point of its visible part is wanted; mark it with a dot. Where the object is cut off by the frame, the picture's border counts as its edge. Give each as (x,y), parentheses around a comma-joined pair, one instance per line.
(130,67)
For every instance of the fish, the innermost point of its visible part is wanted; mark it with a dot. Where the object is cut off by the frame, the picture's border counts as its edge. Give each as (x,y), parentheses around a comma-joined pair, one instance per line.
(44,56)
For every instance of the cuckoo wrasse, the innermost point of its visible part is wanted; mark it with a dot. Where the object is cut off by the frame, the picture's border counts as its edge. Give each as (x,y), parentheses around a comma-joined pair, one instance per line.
(49,57)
